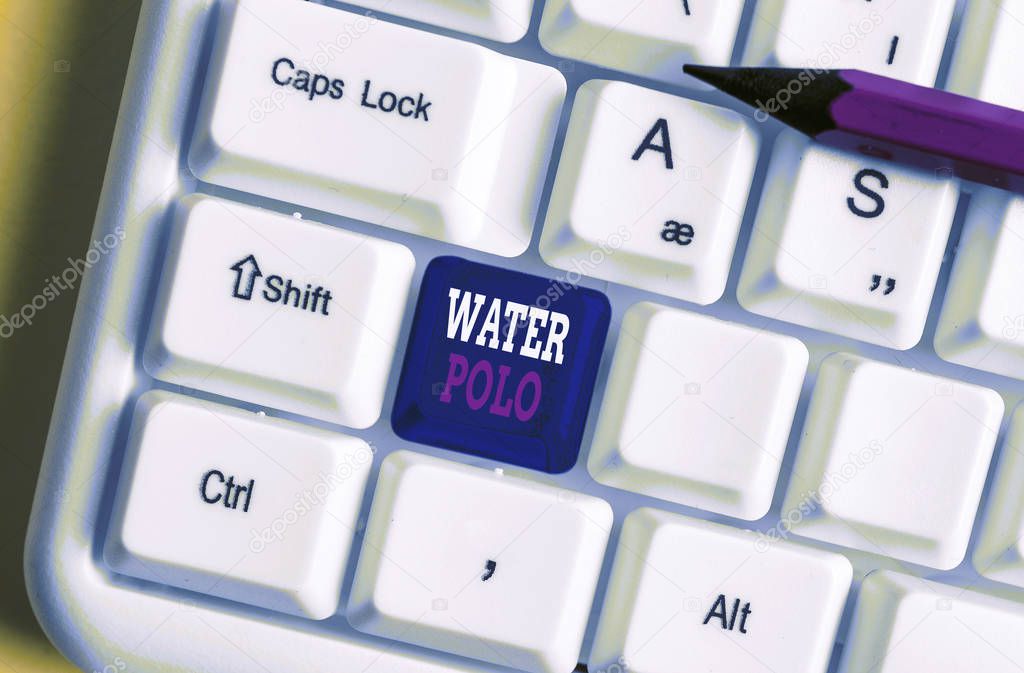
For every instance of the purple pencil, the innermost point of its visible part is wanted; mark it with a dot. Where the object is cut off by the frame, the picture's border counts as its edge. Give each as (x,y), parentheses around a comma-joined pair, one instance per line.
(885,118)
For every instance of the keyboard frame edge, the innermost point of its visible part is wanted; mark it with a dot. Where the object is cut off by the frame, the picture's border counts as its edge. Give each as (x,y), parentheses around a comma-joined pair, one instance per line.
(59,549)
(99,620)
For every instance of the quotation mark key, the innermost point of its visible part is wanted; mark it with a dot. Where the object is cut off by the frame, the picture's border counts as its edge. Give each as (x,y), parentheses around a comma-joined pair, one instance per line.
(876,281)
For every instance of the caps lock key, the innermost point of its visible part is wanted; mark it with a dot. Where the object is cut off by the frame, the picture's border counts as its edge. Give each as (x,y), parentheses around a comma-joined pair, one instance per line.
(349,114)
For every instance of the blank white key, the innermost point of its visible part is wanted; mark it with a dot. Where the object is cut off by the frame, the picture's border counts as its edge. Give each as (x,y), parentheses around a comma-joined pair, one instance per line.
(904,624)
(903,39)
(232,504)
(653,185)
(698,411)
(999,554)
(654,38)
(480,564)
(344,113)
(982,322)
(847,244)
(281,312)
(502,20)
(892,461)
(689,595)
(989,51)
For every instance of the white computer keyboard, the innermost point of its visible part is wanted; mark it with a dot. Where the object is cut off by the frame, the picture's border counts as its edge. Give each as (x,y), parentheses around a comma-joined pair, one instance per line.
(452,335)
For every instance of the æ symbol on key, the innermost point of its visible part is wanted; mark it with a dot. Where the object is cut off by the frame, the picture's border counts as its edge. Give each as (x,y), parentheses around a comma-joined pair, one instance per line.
(246,272)
(489,569)
(677,232)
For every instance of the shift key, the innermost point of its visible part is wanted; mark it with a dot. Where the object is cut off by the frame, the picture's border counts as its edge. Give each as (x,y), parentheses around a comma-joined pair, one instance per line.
(349,114)
(279,312)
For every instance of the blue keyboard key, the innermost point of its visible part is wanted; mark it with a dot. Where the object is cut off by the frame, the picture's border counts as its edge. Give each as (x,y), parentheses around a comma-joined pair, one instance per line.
(501,364)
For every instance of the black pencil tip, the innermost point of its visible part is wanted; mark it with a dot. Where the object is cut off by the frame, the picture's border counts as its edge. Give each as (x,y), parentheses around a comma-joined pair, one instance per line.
(799,98)
(713,75)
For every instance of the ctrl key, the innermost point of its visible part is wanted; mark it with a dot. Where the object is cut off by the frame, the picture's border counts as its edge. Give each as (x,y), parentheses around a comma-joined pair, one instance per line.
(231,504)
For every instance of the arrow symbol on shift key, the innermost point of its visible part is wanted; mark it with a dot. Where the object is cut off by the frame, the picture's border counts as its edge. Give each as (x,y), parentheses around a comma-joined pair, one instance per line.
(240,267)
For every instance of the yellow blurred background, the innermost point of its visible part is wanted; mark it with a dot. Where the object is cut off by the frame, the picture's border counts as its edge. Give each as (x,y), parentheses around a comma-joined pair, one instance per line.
(62,68)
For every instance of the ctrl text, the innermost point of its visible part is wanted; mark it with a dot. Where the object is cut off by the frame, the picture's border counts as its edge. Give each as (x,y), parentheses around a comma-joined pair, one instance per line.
(215,487)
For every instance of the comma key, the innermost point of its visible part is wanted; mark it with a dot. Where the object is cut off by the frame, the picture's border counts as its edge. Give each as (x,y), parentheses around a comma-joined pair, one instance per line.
(495,547)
